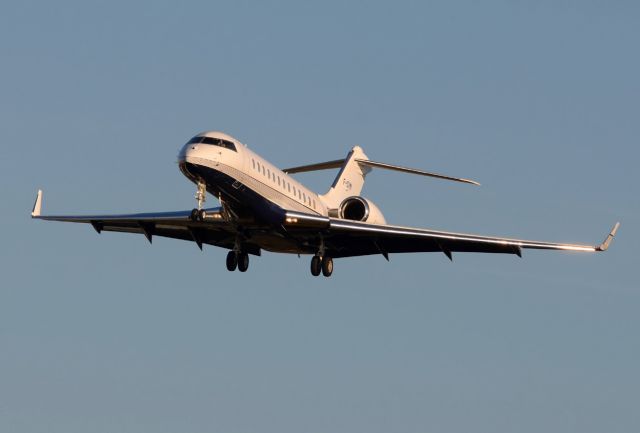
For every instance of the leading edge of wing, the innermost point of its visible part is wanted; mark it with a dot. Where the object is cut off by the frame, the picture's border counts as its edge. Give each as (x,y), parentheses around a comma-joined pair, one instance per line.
(451,237)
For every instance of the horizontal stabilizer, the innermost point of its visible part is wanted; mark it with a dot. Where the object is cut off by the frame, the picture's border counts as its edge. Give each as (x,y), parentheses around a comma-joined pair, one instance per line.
(315,167)
(386,166)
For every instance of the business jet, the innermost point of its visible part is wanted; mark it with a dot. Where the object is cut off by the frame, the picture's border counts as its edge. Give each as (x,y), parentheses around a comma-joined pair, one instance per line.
(263,207)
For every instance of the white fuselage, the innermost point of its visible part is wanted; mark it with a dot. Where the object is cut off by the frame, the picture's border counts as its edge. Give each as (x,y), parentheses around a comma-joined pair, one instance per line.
(247,168)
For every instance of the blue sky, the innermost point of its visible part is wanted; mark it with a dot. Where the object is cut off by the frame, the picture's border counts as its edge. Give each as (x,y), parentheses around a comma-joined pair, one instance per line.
(539,101)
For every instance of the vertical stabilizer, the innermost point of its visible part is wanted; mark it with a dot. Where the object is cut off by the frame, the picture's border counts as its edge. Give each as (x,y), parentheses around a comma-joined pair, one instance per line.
(349,181)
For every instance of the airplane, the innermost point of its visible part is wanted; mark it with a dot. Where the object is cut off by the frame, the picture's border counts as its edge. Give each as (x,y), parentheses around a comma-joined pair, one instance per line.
(263,208)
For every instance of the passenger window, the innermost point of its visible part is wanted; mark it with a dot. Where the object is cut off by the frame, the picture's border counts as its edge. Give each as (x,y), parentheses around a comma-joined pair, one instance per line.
(253,161)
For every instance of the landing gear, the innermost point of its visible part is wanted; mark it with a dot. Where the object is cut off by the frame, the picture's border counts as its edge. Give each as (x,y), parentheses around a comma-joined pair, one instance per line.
(321,264)
(316,265)
(237,260)
(327,266)
(199,214)
(232,261)
(243,262)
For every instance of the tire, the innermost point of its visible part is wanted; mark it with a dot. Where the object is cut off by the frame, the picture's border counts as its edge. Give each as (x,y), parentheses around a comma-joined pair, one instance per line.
(201,215)
(194,215)
(243,262)
(232,261)
(327,266)
(316,265)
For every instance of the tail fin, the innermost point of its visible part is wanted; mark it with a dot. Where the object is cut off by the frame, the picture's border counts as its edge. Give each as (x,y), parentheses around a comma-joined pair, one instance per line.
(349,180)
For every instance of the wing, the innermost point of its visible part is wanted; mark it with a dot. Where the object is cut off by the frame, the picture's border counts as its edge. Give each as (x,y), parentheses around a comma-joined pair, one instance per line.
(344,238)
(177,225)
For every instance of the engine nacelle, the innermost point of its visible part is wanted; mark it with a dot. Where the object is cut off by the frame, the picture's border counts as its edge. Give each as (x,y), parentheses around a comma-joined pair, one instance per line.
(358,208)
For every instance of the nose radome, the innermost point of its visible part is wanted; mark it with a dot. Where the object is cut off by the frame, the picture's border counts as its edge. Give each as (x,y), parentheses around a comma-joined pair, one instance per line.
(184,150)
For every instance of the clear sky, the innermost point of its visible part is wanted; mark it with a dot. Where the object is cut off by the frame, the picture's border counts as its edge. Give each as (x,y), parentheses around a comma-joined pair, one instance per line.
(537,100)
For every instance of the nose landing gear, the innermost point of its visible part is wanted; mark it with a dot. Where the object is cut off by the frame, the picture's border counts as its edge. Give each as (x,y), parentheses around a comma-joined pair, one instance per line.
(199,214)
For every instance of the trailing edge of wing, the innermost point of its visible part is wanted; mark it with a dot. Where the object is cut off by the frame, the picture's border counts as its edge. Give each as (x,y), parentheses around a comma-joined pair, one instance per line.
(386,166)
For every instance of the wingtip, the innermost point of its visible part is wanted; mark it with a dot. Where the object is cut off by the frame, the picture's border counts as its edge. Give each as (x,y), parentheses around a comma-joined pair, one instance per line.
(37,206)
(604,246)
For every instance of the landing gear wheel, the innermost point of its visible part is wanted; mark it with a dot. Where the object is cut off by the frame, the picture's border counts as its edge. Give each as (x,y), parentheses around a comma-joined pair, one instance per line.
(232,261)
(316,265)
(198,215)
(327,266)
(243,262)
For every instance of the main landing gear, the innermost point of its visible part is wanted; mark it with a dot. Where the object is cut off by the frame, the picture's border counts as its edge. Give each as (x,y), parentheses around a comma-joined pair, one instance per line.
(321,264)
(237,260)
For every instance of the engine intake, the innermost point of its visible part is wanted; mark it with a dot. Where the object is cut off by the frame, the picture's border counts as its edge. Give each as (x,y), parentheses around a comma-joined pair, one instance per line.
(354,208)
(360,209)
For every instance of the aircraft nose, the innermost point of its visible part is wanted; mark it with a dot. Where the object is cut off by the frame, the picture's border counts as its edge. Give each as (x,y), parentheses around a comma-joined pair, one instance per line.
(187,149)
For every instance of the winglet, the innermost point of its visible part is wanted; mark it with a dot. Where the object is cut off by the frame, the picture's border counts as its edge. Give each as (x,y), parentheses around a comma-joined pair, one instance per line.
(605,245)
(37,206)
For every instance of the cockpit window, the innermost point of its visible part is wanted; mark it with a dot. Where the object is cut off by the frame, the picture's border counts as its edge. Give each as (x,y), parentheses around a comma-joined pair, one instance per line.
(213,141)
(219,142)
(197,139)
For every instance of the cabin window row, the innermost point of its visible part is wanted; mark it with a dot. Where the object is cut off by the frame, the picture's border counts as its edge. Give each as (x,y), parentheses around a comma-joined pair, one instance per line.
(260,168)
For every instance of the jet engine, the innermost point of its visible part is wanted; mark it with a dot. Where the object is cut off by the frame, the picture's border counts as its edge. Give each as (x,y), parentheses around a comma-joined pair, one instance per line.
(360,209)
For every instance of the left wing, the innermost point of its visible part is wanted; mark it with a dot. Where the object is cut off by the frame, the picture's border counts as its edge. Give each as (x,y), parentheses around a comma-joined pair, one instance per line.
(345,238)
(177,225)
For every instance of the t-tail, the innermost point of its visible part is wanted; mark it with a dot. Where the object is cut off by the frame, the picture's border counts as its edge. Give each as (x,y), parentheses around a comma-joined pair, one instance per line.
(354,169)
(350,179)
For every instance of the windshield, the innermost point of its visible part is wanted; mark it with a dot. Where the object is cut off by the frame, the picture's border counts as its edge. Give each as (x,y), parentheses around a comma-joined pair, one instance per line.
(213,141)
